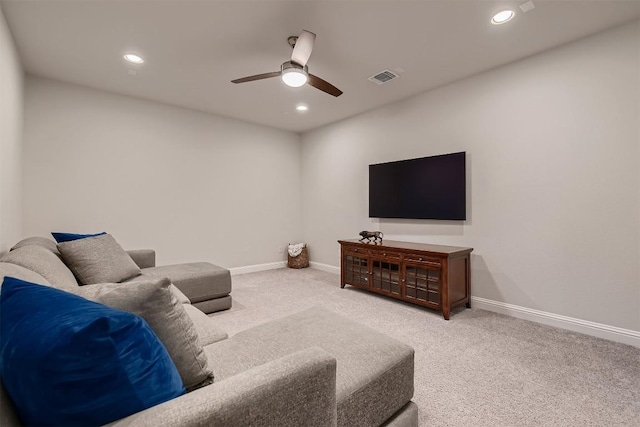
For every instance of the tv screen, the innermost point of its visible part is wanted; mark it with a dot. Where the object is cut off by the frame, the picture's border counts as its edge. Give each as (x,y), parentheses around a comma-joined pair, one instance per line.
(425,188)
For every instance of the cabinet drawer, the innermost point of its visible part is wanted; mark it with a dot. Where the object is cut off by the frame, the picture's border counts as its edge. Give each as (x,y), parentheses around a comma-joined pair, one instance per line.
(424,260)
(386,254)
(359,252)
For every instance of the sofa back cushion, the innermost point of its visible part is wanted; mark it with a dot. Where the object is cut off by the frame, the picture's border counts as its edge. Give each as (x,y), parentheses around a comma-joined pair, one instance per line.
(38,241)
(19,272)
(44,262)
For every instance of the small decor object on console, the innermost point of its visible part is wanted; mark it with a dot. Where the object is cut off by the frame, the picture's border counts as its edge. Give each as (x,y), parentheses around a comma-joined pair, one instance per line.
(368,235)
(298,255)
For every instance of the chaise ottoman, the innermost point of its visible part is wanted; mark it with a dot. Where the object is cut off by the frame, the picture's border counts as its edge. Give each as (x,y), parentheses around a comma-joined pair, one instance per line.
(206,285)
(374,374)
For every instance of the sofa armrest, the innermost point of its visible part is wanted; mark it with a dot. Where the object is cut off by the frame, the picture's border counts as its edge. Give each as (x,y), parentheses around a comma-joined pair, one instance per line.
(294,390)
(144,258)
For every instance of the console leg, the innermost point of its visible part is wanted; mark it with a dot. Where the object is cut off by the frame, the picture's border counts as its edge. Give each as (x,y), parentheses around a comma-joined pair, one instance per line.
(468,305)
(342,286)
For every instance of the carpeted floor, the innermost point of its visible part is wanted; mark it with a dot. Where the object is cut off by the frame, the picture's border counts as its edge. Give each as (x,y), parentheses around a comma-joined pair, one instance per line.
(477,369)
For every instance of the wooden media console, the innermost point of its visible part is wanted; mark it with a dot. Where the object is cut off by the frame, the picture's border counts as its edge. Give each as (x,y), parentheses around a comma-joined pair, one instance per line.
(433,276)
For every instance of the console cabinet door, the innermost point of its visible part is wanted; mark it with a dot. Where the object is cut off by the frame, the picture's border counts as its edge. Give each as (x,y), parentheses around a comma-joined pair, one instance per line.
(355,265)
(422,283)
(385,273)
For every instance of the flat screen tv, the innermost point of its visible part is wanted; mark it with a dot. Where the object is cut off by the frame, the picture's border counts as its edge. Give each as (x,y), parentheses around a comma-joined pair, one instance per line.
(425,188)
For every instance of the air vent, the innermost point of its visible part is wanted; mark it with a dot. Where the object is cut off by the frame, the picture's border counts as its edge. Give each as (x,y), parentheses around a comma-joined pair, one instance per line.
(527,6)
(383,77)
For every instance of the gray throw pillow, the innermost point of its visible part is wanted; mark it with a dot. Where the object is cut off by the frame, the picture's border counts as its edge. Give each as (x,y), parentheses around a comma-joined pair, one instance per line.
(154,301)
(98,259)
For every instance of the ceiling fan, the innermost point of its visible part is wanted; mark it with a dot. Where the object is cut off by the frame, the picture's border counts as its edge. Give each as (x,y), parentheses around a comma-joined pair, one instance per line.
(295,72)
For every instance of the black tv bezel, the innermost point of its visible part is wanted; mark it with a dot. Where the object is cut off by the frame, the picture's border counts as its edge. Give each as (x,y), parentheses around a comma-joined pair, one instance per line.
(424,217)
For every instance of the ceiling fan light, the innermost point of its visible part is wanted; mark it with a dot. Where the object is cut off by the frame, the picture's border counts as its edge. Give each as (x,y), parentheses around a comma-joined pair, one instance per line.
(294,77)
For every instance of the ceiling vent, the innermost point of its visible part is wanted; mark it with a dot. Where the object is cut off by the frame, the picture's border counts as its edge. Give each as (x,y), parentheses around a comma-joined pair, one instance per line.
(383,77)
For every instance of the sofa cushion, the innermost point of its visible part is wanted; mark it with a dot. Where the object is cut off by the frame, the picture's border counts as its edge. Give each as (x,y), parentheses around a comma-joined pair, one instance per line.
(67,237)
(208,331)
(374,377)
(44,262)
(200,281)
(19,272)
(39,241)
(213,305)
(155,302)
(98,259)
(73,362)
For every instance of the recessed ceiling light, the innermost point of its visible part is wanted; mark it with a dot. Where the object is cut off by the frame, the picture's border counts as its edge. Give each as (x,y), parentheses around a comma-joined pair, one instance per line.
(302,108)
(502,17)
(133,58)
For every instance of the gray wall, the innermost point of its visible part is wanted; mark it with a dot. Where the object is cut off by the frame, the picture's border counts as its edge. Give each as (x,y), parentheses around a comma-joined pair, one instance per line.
(552,146)
(11,88)
(194,186)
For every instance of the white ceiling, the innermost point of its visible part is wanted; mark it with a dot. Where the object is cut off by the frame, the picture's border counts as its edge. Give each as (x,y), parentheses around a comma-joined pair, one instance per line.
(193,49)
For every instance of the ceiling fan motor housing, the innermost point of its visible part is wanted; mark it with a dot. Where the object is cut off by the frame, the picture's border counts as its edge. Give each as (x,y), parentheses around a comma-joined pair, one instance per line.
(290,64)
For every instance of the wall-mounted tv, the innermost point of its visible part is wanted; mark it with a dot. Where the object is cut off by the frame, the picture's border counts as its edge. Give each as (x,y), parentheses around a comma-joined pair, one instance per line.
(425,188)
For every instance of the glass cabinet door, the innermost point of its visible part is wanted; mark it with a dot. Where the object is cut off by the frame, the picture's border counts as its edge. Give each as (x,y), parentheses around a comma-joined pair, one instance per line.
(422,283)
(385,275)
(356,270)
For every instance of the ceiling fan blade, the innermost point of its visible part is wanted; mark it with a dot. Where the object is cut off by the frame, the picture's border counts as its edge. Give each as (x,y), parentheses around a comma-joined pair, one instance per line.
(323,85)
(304,46)
(257,77)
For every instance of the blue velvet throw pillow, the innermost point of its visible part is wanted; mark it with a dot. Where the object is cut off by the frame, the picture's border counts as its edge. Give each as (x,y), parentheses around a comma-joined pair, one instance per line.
(67,237)
(68,361)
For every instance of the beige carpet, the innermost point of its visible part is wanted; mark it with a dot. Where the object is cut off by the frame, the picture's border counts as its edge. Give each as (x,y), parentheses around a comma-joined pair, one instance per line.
(477,369)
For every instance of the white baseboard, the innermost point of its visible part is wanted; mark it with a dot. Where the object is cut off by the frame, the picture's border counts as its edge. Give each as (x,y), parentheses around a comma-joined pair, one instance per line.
(283,264)
(258,267)
(324,267)
(612,333)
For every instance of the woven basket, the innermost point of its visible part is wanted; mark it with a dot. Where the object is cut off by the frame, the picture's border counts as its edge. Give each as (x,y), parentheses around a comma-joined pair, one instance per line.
(300,261)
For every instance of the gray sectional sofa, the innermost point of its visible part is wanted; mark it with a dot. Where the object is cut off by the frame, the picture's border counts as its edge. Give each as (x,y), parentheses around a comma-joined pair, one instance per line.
(313,368)
(207,286)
